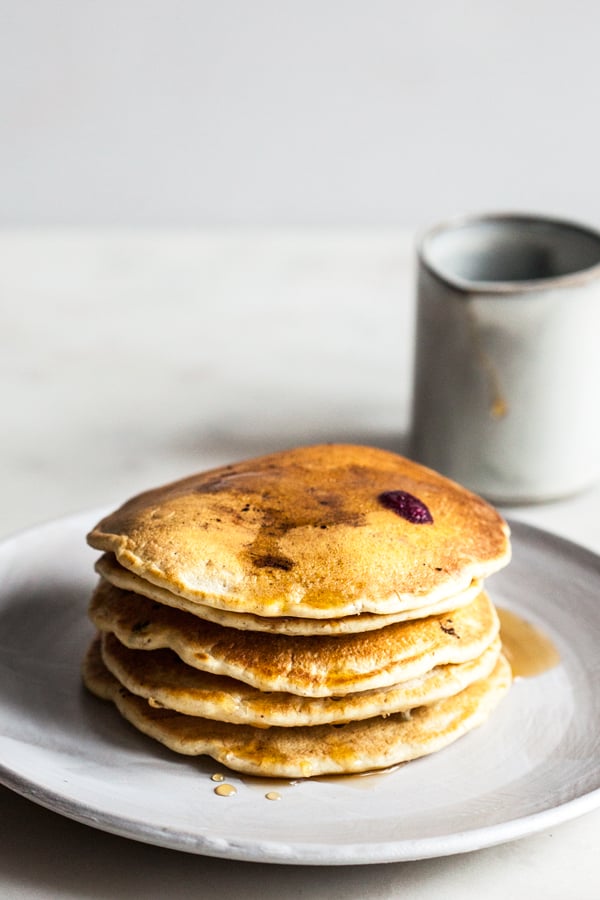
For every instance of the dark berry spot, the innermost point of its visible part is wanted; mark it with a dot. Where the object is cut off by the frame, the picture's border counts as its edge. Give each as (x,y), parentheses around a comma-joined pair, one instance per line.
(407,506)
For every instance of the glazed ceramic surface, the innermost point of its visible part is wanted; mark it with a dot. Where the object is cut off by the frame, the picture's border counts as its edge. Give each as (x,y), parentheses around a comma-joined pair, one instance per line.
(508,318)
(532,765)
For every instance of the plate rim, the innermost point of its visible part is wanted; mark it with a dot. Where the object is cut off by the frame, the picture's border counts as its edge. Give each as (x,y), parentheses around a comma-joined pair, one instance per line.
(313,853)
(302,852)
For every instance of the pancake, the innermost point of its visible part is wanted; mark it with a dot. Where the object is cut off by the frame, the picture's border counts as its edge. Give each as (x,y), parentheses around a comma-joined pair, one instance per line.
(310,612)
(311,666)
(366,745)
(111,571)
(161,678)
(317,532)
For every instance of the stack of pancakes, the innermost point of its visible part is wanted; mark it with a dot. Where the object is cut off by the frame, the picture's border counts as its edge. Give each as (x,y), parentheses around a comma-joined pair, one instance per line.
(314,611)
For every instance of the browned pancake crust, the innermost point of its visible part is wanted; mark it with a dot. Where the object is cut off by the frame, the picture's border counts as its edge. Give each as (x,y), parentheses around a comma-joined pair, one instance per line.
(312,666)
(307,751)
(304,533)
(161,677)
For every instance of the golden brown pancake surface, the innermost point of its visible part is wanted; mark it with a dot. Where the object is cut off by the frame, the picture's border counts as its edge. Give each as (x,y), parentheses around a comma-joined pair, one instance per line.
(313,750)
(312,666)
(307,533)
(161,678)
(111,571)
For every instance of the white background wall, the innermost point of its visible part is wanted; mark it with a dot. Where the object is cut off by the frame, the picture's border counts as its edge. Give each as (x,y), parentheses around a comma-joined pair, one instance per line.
(327,112)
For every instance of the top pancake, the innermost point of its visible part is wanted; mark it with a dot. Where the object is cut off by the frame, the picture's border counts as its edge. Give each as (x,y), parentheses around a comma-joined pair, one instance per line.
(305,533)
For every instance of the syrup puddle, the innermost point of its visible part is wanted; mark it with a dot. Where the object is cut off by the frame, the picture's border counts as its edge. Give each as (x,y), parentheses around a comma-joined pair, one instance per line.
(271,788)
(529,651)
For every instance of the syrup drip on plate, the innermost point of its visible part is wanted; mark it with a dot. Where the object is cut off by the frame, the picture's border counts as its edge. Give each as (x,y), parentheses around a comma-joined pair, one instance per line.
(225,790)
(529,651)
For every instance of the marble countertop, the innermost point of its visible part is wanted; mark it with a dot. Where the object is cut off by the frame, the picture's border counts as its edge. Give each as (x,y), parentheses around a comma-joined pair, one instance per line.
(132,358)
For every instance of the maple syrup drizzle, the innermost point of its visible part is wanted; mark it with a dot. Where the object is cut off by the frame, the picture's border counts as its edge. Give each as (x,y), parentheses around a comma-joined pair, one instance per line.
(529,651)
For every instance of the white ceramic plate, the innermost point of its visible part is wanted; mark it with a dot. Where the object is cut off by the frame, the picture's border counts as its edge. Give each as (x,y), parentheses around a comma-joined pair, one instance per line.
(531,766)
